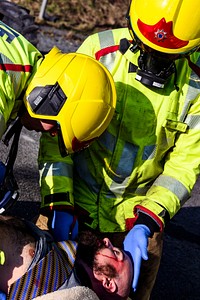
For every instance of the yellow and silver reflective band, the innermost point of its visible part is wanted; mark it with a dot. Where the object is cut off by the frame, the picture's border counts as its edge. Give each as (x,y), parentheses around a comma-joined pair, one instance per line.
(193,121)
(106,41)
(173,185)
(2,258)
(55,169)
(193,93)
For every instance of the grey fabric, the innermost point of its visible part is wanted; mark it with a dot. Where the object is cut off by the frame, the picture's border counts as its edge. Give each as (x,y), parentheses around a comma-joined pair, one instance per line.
(74,293)
(71,282)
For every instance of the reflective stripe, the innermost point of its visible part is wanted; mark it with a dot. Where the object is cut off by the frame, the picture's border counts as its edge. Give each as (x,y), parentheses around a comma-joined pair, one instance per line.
(118,188)
(55,169)
(193,92)
(193,121)
(107,40)
(126,162)
(108,140)
(13,70)
(124,169)
(173,185)
(10,34)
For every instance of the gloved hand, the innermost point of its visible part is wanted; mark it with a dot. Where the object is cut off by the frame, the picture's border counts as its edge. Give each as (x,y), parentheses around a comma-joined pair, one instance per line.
(64,226)
(136,243)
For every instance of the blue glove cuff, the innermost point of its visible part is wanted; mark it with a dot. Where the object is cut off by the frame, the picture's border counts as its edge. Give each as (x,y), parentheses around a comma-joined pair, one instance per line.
(63,226)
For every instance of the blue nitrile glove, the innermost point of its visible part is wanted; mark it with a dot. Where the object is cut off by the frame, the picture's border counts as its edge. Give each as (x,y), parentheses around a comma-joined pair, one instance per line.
(136,243)
(2,296)
(64,226)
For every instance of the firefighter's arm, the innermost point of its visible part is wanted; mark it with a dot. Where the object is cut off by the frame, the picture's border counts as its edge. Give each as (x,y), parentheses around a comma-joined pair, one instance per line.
(7,101)
(168,192)
(56,181)
(173,187)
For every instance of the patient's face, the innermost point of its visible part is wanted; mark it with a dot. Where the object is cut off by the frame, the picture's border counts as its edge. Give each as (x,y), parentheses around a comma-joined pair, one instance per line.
(117,258)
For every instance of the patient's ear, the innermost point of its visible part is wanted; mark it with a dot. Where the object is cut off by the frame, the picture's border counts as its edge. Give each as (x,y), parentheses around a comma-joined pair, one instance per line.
(32,252)
(108,283)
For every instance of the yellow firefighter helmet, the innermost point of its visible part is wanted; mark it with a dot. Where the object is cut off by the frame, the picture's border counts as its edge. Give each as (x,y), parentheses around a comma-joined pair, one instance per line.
(169,26)
(76,91)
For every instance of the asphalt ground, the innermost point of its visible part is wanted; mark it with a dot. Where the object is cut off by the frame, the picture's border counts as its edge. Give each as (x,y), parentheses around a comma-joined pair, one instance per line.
(179,274)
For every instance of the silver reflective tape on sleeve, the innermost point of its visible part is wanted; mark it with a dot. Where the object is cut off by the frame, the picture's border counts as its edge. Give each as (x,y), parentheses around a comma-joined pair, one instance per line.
(55,169)
(107,40)
(193,93)
(118,188)
(193,121)
(173,185)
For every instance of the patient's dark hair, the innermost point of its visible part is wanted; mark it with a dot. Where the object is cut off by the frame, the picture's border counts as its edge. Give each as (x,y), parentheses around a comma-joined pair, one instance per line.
(88,245)
(16,230)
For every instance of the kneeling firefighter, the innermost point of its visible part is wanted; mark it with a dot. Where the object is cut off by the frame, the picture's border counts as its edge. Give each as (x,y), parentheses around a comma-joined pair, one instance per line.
(70,98)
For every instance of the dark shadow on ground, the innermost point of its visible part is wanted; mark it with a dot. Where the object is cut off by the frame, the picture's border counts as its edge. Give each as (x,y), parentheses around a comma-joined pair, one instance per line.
(24,209)
(179,274)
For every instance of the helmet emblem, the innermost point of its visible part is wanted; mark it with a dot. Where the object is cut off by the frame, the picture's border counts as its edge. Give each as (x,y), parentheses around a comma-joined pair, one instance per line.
(160,35)
(155,35)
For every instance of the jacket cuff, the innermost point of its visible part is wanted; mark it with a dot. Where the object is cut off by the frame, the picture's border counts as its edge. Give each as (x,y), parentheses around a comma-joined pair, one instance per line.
(148,221)
(148,218)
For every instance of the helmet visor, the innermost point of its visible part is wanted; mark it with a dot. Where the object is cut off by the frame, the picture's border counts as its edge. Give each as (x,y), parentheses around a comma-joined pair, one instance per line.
(46,101)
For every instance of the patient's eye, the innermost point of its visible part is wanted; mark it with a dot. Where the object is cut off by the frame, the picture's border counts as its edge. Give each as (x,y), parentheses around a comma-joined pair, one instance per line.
(118,254)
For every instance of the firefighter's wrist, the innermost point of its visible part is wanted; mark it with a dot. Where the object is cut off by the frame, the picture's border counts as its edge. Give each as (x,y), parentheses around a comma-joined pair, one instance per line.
(148,221)
(149,218)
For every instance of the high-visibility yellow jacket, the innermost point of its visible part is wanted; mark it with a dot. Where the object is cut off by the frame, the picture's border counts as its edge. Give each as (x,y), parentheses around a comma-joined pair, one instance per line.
(148,158)
(19,60)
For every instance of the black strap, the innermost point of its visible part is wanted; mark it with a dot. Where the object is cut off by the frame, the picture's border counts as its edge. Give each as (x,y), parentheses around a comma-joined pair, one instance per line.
(15,131)
(8,187)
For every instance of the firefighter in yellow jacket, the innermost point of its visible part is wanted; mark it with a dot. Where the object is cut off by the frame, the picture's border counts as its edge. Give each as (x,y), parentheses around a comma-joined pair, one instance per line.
(71,97)
(142,169)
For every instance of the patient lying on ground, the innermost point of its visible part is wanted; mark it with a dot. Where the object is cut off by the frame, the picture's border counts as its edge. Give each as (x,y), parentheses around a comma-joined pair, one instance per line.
(92,262)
